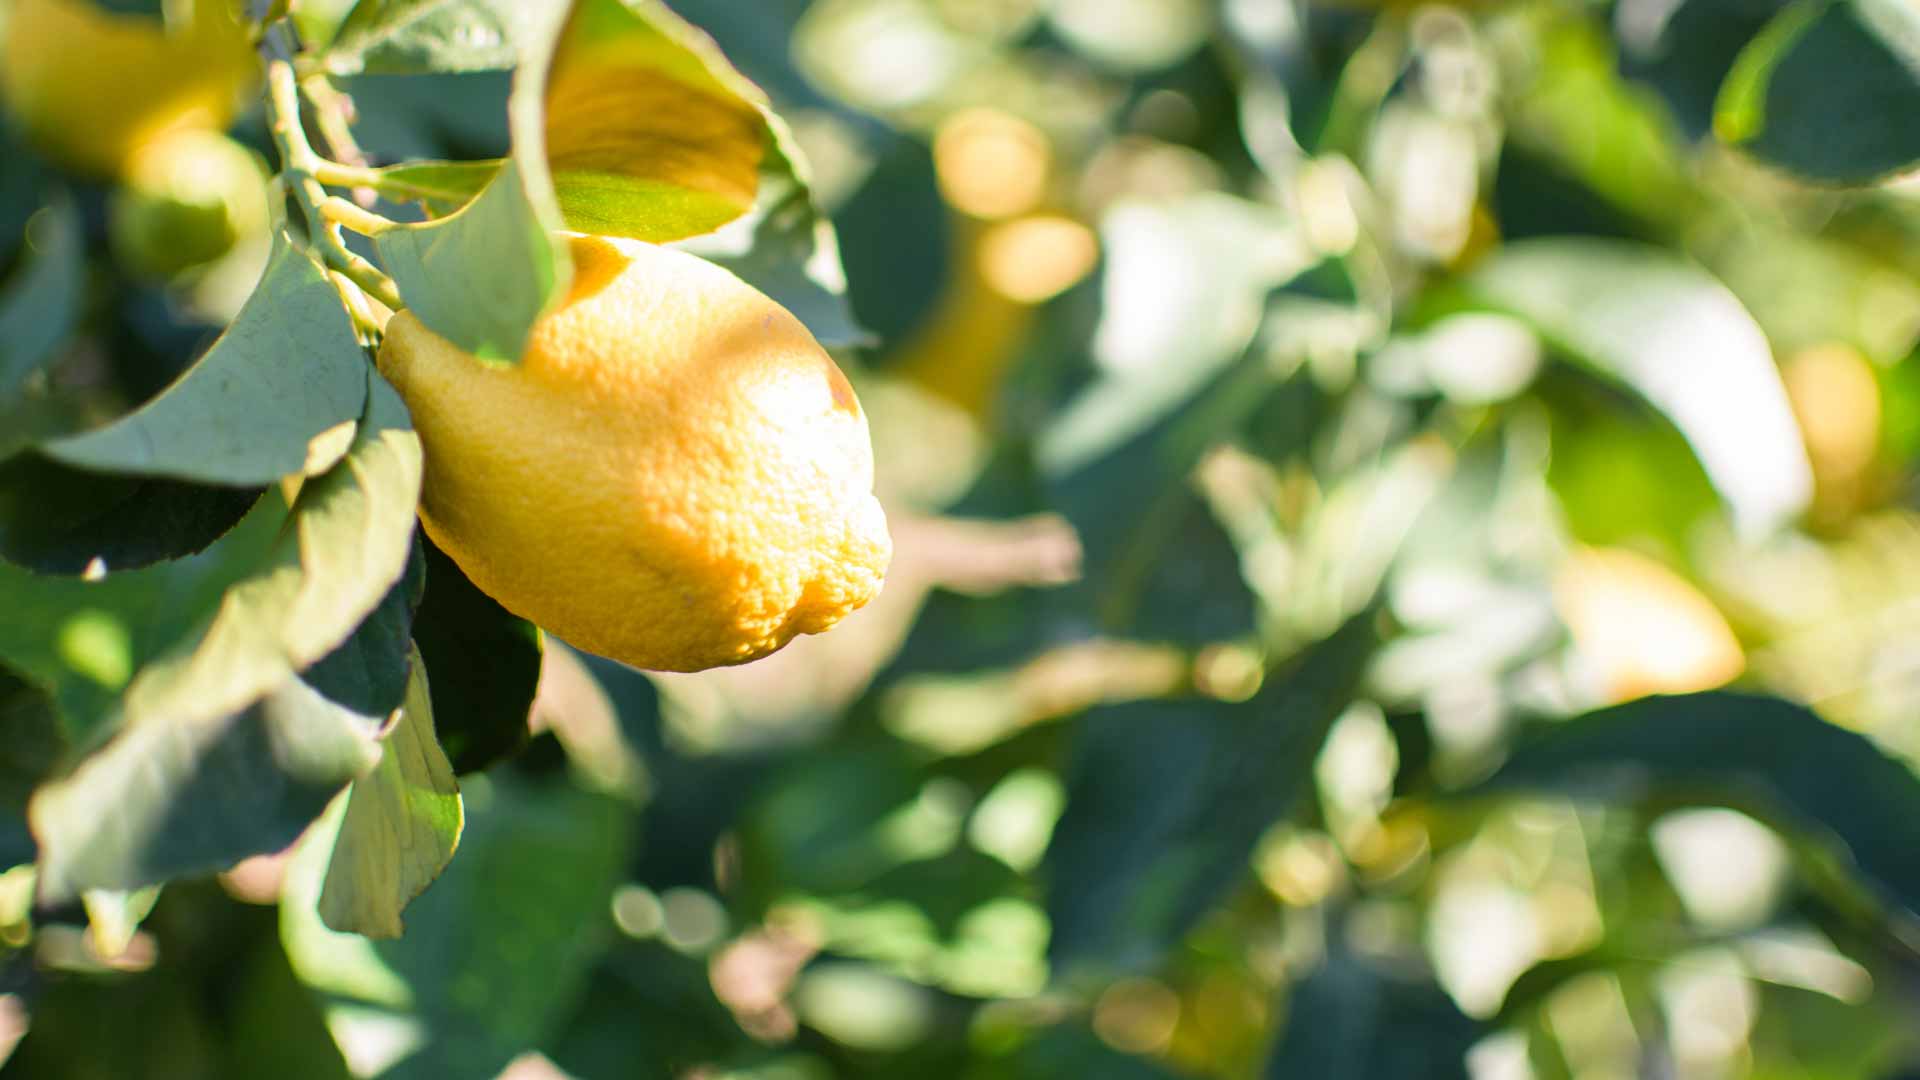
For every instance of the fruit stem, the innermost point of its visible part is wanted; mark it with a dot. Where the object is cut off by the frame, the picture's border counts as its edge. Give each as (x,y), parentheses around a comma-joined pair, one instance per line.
(298,162)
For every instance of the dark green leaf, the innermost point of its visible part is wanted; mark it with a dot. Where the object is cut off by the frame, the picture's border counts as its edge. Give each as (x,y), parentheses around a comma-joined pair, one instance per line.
(1166,800)
(485,665)
(275,395)
(1355,1019)
(495,958)
(1074,1051)
(648,1012)
(1763,754)
(41,300)
(369,671)
(58,520)
(31,746)
(1829,90)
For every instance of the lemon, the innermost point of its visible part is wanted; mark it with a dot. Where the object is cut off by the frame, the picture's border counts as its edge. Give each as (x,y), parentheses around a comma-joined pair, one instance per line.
(675,474)
(90,87)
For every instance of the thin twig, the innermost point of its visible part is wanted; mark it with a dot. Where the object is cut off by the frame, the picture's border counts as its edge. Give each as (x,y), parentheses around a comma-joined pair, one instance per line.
(298,162)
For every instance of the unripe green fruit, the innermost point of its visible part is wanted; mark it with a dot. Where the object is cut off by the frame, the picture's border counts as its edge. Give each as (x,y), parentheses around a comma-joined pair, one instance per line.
(186,201)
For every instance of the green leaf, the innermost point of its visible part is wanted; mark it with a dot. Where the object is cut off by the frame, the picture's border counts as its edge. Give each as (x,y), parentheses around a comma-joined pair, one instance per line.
(41,301)
(650,133)
(369,671)
(401,826)
(414,37)
(350,535)
(1669,331)
(193,792)
(495,958)
(1829,91)
(58,520)
(1071,1050)
(445,186)
(485,661)
(1166,800)
(1336,1019)
(1762,754)
(275,395)
(83,640)
(31,746)
(482,276)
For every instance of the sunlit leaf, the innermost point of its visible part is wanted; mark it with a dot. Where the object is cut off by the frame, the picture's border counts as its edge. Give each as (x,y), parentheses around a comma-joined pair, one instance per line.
(401,825)
(272,397)
(1682,341)
(650,133)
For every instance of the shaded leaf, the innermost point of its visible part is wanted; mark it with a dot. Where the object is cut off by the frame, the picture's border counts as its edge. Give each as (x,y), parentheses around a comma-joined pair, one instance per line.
(31,745)
(1764,754)
(275,395)
(369,671)
(400,828)
(56,519)
(495,958)
(40,301)
(645,1003)
(1075,1051)
(486,660)
(1784,103)
(1338,1020)
(175,795)
(1677,337)
(349,541)
(1166,800)
(83,640)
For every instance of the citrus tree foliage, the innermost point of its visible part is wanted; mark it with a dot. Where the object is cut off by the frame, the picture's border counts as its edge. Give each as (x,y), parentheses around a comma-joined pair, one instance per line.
(1404,549)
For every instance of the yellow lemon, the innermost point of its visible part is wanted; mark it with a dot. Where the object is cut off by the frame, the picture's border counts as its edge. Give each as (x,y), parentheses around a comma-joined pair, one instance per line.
(675,474)
(91,87)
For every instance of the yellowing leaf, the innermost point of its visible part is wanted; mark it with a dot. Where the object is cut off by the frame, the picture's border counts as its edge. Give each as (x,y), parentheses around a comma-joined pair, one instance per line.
(402,824)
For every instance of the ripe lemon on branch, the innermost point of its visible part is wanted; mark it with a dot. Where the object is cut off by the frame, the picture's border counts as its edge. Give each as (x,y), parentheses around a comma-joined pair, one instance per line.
(675,474)
(91,87)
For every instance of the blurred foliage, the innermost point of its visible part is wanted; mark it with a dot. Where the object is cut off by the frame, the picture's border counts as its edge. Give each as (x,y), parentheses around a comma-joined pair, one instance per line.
(1407,561)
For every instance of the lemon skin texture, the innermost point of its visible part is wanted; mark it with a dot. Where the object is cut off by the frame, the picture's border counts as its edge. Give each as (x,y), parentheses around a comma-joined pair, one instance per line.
(90,87)
(675,475)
